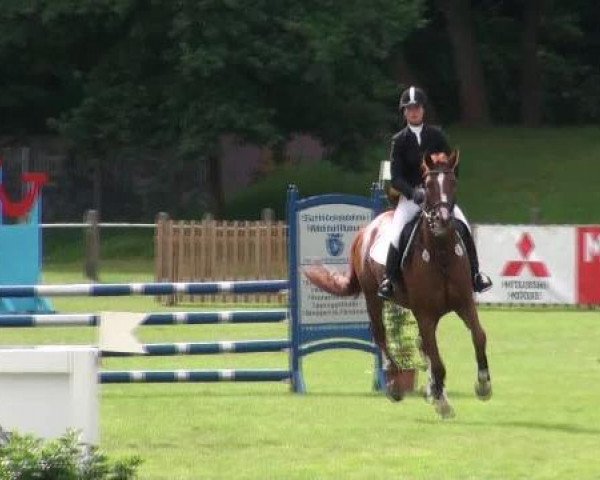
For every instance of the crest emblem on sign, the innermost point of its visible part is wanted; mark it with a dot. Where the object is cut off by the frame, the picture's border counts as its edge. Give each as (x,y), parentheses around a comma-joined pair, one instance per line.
(334,244)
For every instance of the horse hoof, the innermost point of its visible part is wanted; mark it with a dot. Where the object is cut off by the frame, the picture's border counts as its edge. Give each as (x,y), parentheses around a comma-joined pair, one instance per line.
(444,409)
(483,390)
(394,392)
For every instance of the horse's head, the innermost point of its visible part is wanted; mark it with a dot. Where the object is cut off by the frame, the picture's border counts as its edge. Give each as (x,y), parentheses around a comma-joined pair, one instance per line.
(440,190)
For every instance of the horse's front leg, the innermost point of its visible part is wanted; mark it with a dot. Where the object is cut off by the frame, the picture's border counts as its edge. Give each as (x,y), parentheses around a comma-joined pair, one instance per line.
(437,370)
(375,311)
(483,385)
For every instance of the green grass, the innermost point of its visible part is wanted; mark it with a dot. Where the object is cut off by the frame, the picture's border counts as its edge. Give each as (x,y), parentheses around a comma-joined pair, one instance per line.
(504,173)
(542,422)
(65,246)
(507,171)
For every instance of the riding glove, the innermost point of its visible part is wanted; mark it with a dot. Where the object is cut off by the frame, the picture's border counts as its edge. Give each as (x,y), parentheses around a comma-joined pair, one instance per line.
(418,196)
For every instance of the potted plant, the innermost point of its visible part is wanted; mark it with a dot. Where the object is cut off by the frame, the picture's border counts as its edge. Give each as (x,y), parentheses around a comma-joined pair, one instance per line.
(403,340)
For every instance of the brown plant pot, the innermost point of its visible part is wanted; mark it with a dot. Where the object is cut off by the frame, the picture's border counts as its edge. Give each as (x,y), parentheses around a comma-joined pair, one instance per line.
(407,379)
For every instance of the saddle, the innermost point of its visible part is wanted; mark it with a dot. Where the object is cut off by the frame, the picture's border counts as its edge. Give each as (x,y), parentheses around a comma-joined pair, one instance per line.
(407,238)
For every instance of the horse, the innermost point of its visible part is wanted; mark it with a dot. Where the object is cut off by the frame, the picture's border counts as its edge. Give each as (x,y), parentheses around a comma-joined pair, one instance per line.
(436,280)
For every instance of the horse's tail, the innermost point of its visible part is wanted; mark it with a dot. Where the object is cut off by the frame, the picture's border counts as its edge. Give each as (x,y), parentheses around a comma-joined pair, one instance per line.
(336,283)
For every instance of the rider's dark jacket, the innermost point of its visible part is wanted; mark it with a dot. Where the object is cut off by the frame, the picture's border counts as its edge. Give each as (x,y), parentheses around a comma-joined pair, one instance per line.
(406,156)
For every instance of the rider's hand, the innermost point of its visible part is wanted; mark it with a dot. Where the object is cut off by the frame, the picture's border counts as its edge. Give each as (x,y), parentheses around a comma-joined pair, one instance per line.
(418,196)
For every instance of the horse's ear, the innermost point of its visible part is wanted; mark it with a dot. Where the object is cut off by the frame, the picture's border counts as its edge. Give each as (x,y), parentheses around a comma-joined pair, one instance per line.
(427,162)
(454,159)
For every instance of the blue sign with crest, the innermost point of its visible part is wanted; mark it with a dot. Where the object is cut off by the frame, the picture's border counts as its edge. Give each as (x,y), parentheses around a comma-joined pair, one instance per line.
(321,230)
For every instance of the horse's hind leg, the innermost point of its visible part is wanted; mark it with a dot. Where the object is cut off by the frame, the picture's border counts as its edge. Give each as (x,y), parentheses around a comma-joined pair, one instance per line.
(483,386)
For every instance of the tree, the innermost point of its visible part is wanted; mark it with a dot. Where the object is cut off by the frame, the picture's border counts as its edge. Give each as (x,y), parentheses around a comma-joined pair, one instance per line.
(468,68)
(531,67)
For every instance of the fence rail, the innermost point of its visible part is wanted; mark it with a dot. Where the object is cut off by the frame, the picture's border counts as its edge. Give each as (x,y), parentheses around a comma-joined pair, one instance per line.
(100,225)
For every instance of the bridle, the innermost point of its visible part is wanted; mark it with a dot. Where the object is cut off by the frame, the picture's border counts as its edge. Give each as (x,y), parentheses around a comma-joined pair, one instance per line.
(428,211)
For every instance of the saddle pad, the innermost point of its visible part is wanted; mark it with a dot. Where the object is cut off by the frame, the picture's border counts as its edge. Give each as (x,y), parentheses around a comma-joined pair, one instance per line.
(380,247)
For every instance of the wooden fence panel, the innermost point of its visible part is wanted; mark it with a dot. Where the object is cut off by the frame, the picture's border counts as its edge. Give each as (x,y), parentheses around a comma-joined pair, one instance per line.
(214,251)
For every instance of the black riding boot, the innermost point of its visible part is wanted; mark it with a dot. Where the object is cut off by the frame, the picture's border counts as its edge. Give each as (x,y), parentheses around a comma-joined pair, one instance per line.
(481,282)
(392,274)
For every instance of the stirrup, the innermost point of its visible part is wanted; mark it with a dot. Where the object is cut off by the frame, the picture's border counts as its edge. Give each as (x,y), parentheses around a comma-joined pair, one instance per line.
(481,282)
(386,289)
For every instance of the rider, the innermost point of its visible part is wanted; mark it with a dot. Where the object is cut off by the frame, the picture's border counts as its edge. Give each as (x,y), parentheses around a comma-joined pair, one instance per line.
(408,148)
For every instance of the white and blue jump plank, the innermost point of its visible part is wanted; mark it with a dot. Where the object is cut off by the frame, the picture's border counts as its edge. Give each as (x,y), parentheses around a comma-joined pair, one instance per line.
(184,376)
(154,289)
(167,318)
(208,348)
(49,320)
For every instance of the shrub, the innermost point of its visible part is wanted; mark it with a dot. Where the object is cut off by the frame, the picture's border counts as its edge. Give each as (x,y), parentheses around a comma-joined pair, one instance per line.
(25,457)
(315,179)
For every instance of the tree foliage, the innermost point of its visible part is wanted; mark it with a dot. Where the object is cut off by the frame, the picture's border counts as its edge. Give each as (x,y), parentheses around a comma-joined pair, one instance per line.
(186,72)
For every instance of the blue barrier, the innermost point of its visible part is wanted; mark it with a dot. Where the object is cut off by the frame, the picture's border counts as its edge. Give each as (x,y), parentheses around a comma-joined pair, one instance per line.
(21,257)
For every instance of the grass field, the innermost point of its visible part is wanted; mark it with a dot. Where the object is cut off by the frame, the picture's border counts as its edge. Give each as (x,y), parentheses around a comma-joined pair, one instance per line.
(543,421)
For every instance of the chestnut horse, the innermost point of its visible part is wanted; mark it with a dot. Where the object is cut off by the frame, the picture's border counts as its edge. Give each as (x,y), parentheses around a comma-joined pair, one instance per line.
(436,280)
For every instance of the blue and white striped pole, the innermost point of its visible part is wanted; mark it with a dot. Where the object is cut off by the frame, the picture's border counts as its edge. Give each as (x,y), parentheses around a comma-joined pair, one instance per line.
(128,289)
(167,318)
(208,348)
(175,376)
(50,320)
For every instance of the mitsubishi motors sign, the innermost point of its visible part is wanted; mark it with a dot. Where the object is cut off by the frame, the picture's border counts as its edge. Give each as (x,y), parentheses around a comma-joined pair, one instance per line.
(529,264)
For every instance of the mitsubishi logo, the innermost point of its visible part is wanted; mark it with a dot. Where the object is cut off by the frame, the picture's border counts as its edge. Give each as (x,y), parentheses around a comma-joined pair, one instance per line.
(515,267)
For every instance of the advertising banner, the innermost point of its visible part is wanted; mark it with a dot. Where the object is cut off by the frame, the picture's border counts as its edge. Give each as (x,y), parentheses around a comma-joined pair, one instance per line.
(529,264)
(588,263)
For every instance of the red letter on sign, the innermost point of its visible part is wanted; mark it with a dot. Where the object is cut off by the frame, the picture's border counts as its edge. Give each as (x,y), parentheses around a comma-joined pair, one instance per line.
(589,265)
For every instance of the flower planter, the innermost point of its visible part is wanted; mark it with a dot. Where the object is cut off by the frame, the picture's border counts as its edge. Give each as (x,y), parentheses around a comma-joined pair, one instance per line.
(403,340)
(407,379)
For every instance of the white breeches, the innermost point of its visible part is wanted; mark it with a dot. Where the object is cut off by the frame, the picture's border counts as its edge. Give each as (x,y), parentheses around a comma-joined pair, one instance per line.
(407,210)
(459,215)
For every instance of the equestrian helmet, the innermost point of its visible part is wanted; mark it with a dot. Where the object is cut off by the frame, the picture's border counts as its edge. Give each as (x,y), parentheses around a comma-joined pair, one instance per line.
(412,96)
